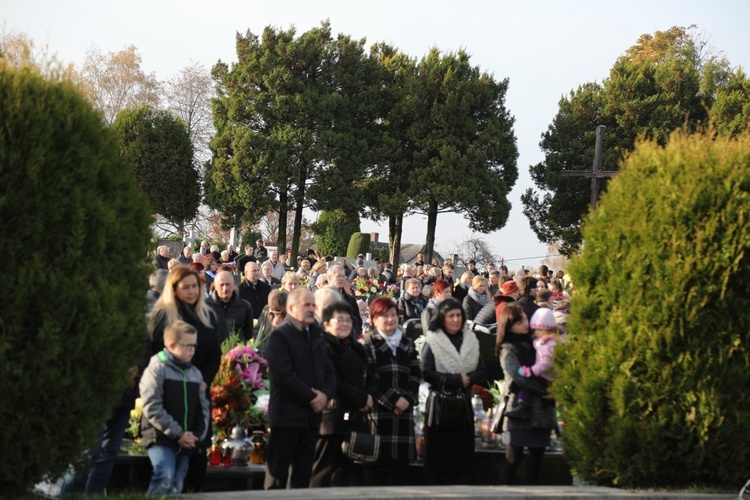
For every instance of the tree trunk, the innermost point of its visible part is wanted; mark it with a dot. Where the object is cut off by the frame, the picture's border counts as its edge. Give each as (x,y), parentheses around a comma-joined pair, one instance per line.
(283,211)
(299,199)
(181,229)
(432,213)
(395,227)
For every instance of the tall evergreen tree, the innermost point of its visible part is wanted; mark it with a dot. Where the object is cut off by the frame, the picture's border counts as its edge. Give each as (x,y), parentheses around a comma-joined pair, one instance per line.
(291,118)
(158,148)
(663,82)
(455,138)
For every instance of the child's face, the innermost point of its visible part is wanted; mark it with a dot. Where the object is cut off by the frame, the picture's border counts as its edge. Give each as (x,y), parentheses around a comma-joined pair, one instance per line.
(184,349)
(545,335)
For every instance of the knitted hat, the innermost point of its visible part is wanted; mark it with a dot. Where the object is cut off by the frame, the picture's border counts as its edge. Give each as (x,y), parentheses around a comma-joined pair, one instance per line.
(543,319)
(197,266)
(509,287)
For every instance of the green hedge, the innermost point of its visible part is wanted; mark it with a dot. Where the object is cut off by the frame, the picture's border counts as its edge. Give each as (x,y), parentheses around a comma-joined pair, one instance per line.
(653,380)
(358,243)
(334,229)
(74,229)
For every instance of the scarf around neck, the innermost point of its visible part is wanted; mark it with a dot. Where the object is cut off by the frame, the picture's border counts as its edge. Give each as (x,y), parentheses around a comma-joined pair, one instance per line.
(479,298)
(450,360)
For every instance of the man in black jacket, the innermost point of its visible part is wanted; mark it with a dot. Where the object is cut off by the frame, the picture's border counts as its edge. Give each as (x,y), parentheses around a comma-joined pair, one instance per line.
(253,290)
(302,381)
(231,308)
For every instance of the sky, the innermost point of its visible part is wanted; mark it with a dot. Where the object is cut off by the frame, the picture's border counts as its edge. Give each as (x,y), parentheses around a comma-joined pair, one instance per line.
(546,48)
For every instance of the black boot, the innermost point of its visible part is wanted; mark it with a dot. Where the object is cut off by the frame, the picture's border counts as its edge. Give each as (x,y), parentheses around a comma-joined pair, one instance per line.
(523,412)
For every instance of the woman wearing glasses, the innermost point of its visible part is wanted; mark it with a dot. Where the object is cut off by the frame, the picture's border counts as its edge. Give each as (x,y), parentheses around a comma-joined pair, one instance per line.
(183,299)
(355,395)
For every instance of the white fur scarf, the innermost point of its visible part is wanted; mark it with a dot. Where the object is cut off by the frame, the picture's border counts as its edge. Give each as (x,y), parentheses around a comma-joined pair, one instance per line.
(447,359)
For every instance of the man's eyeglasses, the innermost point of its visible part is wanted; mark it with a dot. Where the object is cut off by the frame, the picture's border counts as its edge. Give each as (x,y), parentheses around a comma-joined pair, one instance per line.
(278,313)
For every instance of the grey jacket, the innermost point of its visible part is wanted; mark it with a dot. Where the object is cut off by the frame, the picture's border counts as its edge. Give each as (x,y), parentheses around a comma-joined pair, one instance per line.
(542,410)
(173,402)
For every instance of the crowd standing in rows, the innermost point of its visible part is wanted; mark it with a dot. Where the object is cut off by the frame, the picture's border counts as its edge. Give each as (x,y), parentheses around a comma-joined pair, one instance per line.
(337,358)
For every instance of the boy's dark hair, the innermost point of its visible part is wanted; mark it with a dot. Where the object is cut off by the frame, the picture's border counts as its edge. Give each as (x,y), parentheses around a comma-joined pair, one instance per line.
(175,331)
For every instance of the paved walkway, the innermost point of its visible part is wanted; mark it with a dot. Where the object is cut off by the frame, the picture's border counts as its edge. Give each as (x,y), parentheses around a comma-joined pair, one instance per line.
(470,492)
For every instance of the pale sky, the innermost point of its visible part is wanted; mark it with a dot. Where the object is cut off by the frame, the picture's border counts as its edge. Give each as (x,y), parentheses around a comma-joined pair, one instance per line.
(545,48)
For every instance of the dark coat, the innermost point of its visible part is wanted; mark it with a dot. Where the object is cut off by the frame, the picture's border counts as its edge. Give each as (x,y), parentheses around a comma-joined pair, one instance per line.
(356,317)
(297,362)
(528,304)
(256,294)
(411,307)
(207,357)
(261,254)
(355,380)
(450,449)
(460,293)
(398,376)
(472,307)
(161,262)
(241,260)
(237,314)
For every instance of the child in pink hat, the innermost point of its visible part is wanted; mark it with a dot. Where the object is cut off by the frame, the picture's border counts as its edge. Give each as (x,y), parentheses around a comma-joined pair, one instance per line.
(545,330)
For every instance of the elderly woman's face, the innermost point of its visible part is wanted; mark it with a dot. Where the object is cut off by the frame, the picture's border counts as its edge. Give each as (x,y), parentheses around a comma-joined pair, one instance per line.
(387,322)
(340,325)
(291,284)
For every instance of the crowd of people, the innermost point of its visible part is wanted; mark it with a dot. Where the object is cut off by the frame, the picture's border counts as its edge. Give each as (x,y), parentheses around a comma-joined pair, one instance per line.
(339,360)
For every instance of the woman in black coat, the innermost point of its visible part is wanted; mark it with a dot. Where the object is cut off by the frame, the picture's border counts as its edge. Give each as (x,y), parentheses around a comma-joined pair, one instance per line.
(451,362)
(355,396)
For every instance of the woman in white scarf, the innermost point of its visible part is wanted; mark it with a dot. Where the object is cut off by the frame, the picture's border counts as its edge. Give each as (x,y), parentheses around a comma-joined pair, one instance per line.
(451,362)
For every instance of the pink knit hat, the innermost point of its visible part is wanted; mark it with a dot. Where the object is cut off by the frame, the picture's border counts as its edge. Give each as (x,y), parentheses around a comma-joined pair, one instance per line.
(543,319)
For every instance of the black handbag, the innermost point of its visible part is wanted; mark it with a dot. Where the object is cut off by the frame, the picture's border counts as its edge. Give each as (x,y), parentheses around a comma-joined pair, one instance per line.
(499,416)
(448,410)
(361,445)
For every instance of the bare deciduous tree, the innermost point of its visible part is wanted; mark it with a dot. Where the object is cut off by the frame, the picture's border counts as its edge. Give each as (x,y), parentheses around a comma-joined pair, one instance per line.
(187,96)
(115,81)
(555,260)
(474,248)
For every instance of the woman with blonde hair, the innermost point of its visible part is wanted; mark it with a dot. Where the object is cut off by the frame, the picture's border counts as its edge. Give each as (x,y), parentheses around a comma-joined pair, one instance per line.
(476,298)
(183,299)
